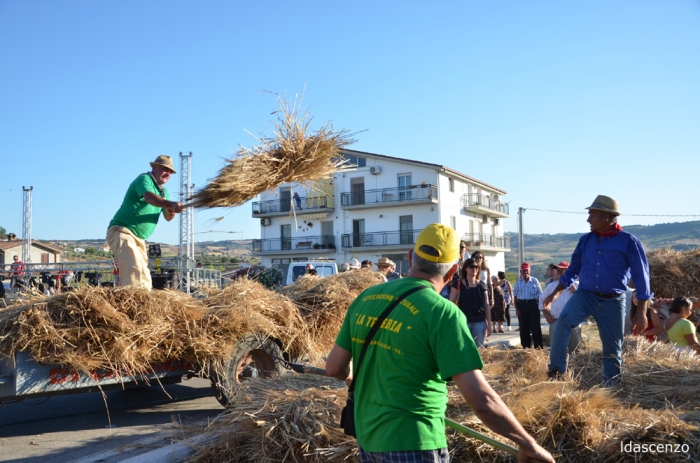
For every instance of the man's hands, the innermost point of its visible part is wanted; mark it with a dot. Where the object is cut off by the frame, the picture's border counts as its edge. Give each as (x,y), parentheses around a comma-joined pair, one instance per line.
(175,207)
(640,320)
(547,302)
(548,316)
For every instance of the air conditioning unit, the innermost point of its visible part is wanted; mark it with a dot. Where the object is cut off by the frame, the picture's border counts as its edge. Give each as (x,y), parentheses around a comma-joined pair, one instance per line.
(486,219)
(375,170)
(265,221)
(496,221)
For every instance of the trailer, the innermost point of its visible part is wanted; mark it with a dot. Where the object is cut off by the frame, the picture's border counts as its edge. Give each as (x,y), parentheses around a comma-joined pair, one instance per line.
(22,377)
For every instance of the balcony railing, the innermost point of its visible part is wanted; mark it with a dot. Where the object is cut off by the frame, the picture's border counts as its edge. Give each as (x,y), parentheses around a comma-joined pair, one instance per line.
(420,193)
(305,243)
(483,239)
(389,238)
(305,203)
(485,201)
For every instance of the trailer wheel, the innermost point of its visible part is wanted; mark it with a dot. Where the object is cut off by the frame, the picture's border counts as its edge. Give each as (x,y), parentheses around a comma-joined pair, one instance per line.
(252,358)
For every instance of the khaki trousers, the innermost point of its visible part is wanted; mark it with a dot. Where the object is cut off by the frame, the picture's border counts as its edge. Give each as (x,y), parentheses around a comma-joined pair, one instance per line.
(131,256)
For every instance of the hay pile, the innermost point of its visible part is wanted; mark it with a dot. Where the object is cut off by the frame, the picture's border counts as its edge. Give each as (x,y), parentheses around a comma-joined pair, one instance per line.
(674,273)
(293,154)
(295,419)
(323,302)
(290,419)
(126,329)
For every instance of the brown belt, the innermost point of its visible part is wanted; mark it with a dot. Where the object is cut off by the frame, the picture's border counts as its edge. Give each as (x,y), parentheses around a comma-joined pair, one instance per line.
(607,296)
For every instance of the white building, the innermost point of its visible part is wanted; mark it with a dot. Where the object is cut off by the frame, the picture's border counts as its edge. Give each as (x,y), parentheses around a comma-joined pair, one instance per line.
(377,209)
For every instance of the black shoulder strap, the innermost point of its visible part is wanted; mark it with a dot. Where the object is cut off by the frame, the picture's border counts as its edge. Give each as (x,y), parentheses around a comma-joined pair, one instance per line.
(375,328)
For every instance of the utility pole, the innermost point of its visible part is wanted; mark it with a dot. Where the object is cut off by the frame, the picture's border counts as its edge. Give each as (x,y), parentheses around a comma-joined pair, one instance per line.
(521,241)
(186,253)
(27,224)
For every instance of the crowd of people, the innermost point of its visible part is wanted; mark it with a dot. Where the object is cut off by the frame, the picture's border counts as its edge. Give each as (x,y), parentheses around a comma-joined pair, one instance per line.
(447,332)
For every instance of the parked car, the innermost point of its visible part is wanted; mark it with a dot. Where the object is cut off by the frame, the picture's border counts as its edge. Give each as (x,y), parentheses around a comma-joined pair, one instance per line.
(297,269)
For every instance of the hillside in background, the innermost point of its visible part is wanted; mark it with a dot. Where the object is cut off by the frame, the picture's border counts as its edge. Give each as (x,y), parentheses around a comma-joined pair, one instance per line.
(225,250)
(541,250)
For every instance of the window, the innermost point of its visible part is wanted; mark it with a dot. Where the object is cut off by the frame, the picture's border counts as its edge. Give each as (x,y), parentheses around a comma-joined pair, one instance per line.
(453,222)
(406,229)
(404,184)
(357,191)
(358,232)
(451,182)
(354,161)
(286,235)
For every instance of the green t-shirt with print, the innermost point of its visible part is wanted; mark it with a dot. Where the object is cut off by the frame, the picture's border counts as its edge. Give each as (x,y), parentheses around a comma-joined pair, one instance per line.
(401,394)
(135,213)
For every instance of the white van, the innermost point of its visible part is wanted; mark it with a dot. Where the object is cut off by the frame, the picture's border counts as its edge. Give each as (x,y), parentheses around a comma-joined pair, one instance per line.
(297,269)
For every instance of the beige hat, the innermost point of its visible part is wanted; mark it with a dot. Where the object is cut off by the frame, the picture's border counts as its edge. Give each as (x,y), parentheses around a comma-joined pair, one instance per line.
(354,263)
(164,161)
(605,204)
(384,261)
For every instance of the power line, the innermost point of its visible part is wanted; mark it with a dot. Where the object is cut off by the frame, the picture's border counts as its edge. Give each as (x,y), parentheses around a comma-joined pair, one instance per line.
(626,215)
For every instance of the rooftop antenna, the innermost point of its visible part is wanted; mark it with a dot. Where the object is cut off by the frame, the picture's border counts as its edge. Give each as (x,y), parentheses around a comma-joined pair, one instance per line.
(27,224)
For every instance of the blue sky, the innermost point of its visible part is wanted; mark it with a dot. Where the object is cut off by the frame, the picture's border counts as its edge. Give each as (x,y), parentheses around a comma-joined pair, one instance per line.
(554,102)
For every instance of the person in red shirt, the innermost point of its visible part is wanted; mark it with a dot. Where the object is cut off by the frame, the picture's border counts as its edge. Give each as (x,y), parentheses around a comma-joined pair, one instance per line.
(17,269)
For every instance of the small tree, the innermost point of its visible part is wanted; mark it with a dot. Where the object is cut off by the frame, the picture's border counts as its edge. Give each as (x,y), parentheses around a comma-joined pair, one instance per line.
(270,277)
(3,233)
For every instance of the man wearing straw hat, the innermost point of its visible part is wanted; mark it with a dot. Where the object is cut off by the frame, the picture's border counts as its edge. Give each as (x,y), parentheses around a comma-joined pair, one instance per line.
(388,268)
(400,389)
(604,260)
(136,220)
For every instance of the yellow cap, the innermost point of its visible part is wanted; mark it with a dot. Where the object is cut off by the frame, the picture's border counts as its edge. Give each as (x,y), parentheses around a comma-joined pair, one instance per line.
(443,239)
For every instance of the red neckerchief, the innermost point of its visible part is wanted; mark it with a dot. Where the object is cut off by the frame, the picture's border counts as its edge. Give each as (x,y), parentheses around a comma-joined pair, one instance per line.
(614,230)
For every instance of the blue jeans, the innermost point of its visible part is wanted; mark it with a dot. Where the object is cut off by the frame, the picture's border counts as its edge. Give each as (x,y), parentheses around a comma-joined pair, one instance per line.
(609,314)
(478,331)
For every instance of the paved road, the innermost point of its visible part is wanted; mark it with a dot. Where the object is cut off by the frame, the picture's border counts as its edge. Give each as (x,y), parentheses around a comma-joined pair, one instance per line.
(77,428)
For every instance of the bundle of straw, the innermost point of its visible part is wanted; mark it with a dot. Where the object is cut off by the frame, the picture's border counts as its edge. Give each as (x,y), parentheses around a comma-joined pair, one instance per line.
(127,329)
(290,419)
(246,307)
(291,155)
(674,273)
(323,302)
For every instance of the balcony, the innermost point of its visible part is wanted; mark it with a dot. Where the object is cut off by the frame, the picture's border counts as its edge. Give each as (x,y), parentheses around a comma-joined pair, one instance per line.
(389,197)
(394,240)
(283,207)
(484,204)
(322,244)
(485,242)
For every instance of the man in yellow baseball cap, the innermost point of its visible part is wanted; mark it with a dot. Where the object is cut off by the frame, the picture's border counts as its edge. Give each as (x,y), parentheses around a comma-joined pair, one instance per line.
(416,340)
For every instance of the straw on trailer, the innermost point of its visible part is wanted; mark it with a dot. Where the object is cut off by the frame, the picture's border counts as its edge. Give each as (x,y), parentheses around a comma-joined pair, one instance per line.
(323,302)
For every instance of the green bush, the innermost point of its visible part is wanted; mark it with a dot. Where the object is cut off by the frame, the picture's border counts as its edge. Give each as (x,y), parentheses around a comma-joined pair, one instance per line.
(270,277)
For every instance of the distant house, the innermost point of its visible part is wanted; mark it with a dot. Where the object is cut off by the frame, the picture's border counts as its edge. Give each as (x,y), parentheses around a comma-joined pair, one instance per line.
(104,248)
(79,250)
(40,252)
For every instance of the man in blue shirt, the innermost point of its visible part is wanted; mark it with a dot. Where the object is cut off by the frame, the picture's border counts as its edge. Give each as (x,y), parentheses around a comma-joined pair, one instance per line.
(604,260)
(526,292)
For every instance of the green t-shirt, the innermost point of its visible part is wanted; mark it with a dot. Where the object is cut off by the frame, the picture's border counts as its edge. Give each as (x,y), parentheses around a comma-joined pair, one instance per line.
(135,213)
(677,332)
(401,395)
